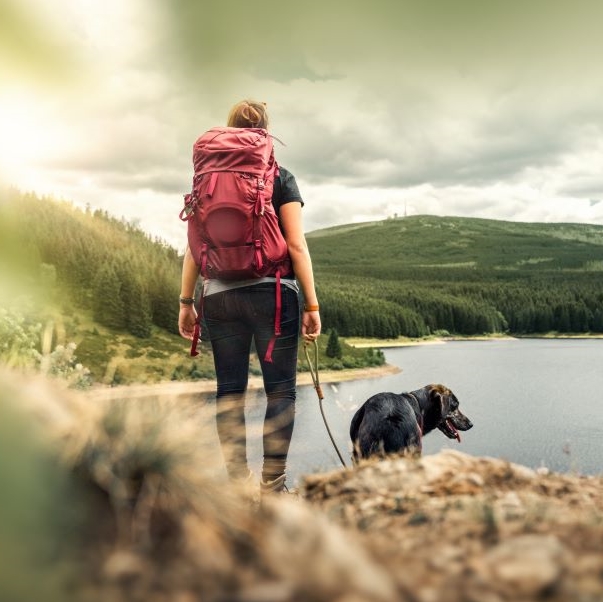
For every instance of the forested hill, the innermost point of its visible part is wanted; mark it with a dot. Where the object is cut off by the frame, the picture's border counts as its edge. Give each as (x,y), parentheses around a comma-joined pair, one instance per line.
(457,243)
(420,274)
(410,276)
(94,261)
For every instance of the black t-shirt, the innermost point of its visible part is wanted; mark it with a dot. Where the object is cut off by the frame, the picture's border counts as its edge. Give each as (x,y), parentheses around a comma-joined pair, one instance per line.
(285,190)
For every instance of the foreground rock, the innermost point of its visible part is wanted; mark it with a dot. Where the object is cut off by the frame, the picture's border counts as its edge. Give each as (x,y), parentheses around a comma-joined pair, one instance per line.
(453,527)
(134,508)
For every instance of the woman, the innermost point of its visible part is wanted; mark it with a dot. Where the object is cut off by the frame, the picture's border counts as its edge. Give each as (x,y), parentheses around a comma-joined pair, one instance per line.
(238,314)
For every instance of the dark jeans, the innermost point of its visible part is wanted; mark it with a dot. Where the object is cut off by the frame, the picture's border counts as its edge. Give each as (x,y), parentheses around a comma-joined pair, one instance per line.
(234,320)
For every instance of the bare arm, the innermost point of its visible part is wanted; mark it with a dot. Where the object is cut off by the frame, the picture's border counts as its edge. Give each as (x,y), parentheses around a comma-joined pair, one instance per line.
(291,219)
(188,314)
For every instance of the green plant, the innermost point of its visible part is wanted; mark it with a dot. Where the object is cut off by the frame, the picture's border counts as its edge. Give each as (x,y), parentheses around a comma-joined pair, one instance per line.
(62,363)
(19,339)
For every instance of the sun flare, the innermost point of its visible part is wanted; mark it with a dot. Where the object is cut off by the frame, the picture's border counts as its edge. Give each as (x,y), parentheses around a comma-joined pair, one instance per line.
(28,137)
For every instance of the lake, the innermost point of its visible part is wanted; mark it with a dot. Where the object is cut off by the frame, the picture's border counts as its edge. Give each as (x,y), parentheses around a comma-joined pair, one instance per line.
(536,402)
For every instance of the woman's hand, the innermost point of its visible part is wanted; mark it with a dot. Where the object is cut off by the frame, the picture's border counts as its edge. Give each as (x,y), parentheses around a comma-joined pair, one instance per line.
(186,321)
(310,328)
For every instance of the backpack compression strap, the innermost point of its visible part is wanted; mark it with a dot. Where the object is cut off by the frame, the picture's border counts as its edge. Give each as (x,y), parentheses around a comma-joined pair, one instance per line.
(277,319)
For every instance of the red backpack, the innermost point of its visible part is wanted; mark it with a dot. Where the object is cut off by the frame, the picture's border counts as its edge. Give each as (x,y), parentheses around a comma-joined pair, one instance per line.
(233,230)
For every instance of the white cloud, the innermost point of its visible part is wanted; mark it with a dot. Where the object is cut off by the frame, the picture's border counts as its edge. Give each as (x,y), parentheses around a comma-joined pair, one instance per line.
(478,111)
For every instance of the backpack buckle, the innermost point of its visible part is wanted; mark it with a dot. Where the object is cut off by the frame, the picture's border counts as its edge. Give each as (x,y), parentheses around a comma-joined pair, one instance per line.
(188,209)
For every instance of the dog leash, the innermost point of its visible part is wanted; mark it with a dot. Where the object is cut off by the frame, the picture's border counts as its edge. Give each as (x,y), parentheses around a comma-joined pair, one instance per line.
(313,367)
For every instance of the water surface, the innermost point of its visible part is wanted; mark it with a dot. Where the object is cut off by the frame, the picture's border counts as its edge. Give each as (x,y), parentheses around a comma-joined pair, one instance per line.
(537,402)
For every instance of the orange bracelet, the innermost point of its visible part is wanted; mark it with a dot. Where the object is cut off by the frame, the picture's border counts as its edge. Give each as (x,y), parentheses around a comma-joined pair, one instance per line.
(311,308)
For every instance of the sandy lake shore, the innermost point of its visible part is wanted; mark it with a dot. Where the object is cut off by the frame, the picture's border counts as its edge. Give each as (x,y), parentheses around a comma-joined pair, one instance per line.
(187,388)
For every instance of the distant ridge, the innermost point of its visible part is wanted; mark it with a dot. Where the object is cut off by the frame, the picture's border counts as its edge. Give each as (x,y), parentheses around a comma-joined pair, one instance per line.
(436,241)
(423,274)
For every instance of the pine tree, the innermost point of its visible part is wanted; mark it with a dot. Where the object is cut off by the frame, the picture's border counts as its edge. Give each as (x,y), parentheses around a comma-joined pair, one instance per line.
(563,323)
(164,290)
(138,310)
(334,346)
(107,303)
(598,320)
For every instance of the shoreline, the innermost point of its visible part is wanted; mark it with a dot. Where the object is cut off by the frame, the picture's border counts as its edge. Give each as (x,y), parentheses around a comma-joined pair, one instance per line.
(406,342)
(208,386)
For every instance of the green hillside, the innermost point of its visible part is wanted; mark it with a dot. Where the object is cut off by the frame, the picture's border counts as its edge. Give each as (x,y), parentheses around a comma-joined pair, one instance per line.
(458,243)
(107,286)
(417,275)
(74,276)
(83,277)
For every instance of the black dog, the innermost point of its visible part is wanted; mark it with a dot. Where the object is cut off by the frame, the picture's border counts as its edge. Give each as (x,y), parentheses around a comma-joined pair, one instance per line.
(391,423)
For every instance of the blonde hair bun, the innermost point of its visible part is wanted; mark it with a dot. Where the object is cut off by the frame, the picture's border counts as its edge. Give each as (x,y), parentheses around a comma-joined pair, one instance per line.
(248,114)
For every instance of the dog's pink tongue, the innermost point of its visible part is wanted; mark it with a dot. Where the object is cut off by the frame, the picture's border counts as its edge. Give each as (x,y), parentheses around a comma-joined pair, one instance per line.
(456,433)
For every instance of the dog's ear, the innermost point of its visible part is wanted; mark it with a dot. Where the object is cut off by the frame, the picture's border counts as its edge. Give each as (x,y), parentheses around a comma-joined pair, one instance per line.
(441,400)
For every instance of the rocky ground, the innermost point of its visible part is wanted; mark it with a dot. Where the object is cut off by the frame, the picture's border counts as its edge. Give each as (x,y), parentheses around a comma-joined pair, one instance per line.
(140,515)
(453,527)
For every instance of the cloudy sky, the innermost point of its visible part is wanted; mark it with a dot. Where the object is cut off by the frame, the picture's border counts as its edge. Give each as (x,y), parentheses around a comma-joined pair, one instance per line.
(448,107)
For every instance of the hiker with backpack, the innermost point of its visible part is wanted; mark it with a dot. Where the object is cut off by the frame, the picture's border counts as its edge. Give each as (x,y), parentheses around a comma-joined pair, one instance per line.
(246,240)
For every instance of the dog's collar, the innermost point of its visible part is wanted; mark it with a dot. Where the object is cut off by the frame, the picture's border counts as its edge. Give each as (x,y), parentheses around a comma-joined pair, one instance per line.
(420,417)
(414,397)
